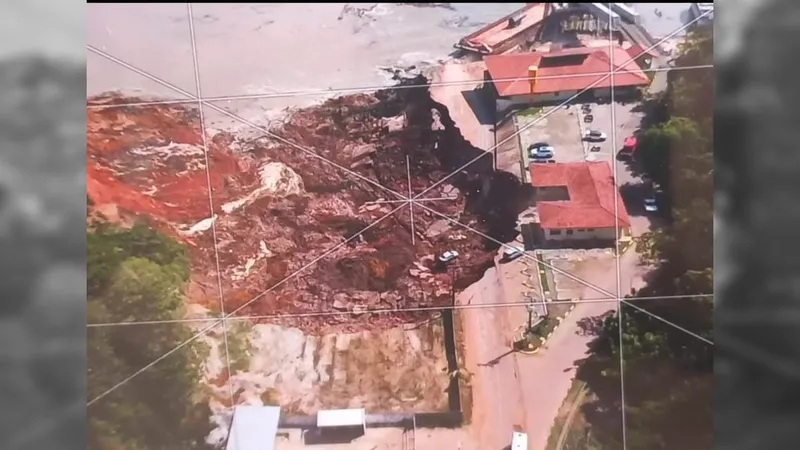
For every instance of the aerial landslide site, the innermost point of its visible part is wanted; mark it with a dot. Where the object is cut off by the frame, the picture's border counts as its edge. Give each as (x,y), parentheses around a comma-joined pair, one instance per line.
(279,212)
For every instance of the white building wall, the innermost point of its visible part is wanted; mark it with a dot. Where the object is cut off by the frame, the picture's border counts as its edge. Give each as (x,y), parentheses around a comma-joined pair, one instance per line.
(578,235)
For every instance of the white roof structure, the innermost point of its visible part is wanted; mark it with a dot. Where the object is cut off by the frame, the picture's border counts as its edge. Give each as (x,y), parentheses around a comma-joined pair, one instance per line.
(254,428)
(341,418)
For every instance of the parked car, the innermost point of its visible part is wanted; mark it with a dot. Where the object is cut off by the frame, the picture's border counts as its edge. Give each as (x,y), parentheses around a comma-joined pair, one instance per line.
(650,204)
(448,256)
(594,136)
(625,154)
(586,107)
(595,148)
(512,253)
(588,118)
(540,151)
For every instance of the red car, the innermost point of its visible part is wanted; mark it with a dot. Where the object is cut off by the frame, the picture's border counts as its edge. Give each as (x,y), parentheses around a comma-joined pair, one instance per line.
(628,147)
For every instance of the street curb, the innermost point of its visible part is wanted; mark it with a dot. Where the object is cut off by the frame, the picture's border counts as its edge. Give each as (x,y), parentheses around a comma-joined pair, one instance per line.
(559,320)
(541,270)
(519,335)
(558,324)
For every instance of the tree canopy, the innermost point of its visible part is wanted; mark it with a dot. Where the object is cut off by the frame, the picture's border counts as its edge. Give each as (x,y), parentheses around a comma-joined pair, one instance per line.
(667,373)
(133,275)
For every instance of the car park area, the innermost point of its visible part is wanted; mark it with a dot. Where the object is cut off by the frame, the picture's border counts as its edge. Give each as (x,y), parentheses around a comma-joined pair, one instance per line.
(564,128)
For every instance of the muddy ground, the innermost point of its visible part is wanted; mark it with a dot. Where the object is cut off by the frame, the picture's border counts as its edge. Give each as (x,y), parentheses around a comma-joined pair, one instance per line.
(277,209)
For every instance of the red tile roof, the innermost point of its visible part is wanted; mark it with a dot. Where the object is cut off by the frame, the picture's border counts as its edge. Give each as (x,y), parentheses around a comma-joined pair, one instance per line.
(591,196)
(636,50)
(498,32)
(514,69)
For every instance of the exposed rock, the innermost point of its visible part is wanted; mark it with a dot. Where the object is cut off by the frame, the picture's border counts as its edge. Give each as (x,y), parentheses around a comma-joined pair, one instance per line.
(437,121)
(357,152)
(393,124)
(340,302)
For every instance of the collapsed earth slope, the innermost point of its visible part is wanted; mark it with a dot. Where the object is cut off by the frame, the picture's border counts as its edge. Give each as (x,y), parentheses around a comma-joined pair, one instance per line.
(288,223)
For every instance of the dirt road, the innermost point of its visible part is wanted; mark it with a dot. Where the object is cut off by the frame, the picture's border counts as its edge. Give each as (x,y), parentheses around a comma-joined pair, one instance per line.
(488,338)
(548,375)
(521,389)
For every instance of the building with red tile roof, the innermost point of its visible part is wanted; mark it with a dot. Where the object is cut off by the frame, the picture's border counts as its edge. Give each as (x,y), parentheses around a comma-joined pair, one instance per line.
(534,78)
(577,201)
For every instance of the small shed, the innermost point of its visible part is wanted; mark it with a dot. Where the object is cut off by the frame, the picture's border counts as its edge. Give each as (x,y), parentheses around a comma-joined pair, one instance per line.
(254,428)
(342,418)
(337,426)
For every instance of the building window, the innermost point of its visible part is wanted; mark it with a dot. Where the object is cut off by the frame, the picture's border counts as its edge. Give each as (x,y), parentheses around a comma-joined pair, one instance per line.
(589,229)
(555,232)
(569,232)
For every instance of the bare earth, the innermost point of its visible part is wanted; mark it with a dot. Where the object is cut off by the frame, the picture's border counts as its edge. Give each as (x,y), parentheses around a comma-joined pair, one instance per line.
(399,369)
(488,336)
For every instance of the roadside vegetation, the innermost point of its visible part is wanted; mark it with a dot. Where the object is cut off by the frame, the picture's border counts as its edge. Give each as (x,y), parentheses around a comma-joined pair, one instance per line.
(667,373)
(138,274)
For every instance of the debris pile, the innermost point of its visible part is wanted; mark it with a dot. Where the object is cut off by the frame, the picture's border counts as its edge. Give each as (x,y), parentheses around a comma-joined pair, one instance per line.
(298,227)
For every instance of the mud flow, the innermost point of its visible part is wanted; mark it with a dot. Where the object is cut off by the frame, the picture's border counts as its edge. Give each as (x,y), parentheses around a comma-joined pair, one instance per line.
(313,229)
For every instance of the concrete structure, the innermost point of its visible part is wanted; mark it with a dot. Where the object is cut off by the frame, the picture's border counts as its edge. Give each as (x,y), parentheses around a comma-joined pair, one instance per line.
(528,79)
(698,9)
(605,16)
(627,13)
(253,428)
(576,202)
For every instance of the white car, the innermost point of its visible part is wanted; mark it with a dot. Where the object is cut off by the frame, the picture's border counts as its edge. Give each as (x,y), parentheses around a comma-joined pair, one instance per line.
(594,136)
(513,252)
(541,150)
(650,205)
(448,256)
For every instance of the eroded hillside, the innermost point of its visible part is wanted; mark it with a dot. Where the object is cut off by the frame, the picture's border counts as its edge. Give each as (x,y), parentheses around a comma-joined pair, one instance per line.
(282,216)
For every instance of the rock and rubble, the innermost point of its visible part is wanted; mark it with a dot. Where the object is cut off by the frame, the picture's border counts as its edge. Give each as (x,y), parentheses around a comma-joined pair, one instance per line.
(288,223)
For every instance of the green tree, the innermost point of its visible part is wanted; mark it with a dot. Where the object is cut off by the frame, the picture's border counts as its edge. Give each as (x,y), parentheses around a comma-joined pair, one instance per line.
(668,374)
(139,274)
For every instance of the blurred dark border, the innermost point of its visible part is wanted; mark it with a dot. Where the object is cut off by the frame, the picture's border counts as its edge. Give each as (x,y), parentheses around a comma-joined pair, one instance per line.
(42,225)
(757,265)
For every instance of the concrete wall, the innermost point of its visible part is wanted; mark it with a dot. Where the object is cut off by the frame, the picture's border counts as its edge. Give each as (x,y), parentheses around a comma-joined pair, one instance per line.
(504,104)
(577,235)
(524,101)
(605,92)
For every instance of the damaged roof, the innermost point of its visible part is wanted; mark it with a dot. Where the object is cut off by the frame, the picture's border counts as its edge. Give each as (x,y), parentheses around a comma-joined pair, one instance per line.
(592,194)
(553,76)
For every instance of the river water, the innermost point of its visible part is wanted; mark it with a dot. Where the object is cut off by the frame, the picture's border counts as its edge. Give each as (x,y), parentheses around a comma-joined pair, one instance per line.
(267,48)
